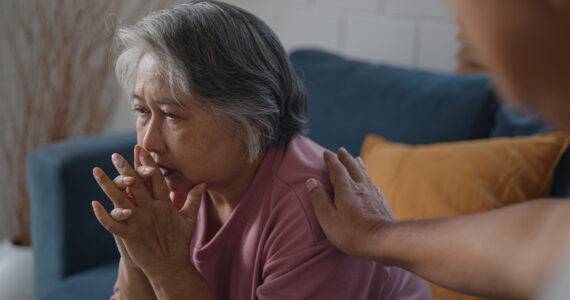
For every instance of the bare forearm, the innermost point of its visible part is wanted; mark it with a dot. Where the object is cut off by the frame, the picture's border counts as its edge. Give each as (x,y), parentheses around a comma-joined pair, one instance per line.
(186,283)
(133,284)
(505,253)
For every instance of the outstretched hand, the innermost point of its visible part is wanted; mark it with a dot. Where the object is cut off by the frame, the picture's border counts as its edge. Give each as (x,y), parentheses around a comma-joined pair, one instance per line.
(357,213)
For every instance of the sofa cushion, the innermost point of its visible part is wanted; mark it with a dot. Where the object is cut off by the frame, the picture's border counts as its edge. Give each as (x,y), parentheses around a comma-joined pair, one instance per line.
(450,179)
(511,120)
(95,284)
(349,98)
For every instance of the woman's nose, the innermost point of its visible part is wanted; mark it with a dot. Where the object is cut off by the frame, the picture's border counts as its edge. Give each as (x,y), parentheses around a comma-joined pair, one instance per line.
(152,139)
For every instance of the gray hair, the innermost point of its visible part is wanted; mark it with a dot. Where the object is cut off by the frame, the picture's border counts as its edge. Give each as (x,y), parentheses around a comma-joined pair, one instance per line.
(226,59)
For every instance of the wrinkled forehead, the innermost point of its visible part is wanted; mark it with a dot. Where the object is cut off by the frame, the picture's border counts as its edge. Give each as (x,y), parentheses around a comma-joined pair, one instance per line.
(150,82)
(149,71)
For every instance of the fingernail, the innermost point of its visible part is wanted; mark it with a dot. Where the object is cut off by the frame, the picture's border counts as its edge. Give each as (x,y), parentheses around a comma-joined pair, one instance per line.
(116,158)
(343,149)
(359,159)
(97,172)
(126,212)
(311,184)
(127,180)
(94,205)
(147,170)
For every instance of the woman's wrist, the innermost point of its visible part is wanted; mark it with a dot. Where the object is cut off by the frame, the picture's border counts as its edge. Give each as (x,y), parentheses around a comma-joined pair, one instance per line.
(133,283)
(184,282)
(130,272)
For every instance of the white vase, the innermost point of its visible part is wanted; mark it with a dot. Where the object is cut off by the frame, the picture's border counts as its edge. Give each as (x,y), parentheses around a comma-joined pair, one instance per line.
(16,271)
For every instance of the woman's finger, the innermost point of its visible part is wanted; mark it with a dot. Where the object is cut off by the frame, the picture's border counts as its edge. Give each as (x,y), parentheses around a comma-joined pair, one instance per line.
(137,162)
(121,214)
(107,221)
(178,199)
(123,182)
(145,173)
(117,196)
(192,204)
(137,188)
(159,186)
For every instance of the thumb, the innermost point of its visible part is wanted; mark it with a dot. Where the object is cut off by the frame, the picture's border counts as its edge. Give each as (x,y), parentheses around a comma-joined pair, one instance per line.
(321,200)
(193,200)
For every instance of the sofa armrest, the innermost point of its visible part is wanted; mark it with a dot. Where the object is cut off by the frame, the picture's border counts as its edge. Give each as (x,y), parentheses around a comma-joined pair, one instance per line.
(66,236)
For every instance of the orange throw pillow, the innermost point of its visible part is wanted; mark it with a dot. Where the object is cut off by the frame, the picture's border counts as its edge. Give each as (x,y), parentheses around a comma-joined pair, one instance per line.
(457,178)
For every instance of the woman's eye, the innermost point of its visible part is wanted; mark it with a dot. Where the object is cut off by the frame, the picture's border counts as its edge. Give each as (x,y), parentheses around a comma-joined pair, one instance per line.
(169,115)
(140,110)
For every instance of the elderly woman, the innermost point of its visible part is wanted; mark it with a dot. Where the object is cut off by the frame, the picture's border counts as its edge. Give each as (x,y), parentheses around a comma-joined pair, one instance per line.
(216,205)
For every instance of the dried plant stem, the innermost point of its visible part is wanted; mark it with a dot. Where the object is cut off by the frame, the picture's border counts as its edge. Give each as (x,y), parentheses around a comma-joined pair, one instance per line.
(60,53)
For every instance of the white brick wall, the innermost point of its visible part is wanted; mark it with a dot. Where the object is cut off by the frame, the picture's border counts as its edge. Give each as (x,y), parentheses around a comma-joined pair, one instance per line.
(341,5)
(411,33)
(310,29)
(380,39)
(418,8)
(438,45)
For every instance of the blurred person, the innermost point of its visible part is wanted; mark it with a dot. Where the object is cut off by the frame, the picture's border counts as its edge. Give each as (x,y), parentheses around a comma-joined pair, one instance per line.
(512,252)
(216,206)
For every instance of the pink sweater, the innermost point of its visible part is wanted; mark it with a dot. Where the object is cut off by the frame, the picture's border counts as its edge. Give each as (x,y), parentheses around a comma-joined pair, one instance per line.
(272,246)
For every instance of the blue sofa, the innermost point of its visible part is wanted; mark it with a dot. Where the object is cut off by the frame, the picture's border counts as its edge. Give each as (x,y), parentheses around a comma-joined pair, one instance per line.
(75,258)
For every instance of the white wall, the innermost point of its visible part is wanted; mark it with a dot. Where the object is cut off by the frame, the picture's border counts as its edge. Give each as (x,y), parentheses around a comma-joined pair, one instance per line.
(411,33)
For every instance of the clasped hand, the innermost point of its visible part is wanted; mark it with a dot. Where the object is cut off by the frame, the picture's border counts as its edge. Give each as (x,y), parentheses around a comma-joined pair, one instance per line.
(151,233)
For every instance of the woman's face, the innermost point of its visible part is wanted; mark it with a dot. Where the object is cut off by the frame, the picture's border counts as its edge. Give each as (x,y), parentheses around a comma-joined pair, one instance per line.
(525,44)
(189,143)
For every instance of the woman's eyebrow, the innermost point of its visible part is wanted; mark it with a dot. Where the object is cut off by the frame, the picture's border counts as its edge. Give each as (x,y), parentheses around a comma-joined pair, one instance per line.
(161,101)
(168,101)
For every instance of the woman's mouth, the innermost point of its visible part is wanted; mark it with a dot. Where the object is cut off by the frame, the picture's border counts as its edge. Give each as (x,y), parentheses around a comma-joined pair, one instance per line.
(166,172)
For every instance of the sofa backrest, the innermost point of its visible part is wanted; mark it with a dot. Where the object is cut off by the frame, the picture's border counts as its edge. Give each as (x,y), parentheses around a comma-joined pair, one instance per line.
(66,236)
(349,99)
